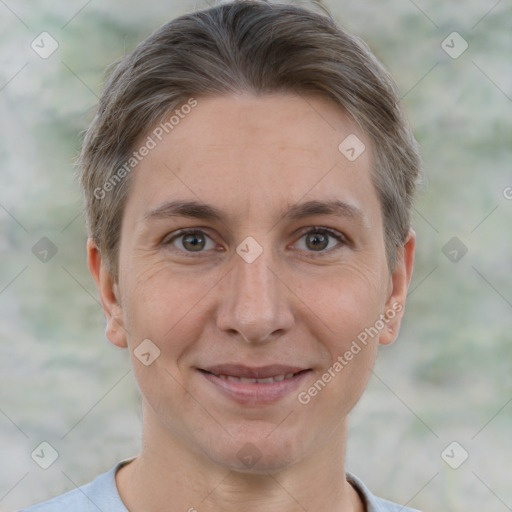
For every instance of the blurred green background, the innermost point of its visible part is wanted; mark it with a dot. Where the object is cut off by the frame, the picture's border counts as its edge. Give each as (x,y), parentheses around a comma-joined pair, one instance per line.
(447,377)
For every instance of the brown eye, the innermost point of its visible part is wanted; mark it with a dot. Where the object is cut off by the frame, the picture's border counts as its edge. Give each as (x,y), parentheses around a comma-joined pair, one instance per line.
(317,241)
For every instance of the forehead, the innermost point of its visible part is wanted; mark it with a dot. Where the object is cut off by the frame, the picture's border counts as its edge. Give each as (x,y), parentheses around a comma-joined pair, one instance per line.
(246,152)
(306,126)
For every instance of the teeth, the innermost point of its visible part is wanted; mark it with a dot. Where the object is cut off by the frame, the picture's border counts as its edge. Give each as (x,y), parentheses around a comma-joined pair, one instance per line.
(244,379)
(259,381)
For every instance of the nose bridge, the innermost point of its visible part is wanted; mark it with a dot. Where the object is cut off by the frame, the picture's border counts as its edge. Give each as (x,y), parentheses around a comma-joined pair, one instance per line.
(255,281)
(255,304)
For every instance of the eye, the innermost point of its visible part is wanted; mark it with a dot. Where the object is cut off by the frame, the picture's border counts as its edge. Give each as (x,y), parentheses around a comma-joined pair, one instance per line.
(190,241)
(315,239)
(321,239)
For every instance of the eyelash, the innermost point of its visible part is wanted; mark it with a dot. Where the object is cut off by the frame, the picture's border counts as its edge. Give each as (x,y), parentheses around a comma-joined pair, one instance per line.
(340,237)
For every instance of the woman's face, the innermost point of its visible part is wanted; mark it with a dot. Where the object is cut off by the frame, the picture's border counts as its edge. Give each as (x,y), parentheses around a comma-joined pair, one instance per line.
(252,246)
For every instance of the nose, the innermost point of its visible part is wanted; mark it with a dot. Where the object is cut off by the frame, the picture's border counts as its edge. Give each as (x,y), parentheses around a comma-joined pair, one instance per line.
(255,303)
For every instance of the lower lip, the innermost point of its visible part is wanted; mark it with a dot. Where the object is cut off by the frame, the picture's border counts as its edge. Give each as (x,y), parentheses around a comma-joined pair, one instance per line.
(257,393)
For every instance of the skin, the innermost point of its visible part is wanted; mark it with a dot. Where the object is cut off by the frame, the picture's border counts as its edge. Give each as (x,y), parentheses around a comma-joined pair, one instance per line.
(297,304)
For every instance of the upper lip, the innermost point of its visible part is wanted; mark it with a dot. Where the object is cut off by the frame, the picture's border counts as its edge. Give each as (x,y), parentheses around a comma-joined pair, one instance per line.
(253,372)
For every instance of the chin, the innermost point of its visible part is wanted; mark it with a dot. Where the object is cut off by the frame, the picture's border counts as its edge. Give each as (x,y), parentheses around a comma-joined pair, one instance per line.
(258,451)
(251,460)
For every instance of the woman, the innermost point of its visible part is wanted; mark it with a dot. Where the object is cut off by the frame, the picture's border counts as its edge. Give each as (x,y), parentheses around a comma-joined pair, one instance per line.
(248,183)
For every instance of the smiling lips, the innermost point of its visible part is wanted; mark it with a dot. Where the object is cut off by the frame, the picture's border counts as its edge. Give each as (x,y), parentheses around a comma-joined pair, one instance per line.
(255,374)
(255,385)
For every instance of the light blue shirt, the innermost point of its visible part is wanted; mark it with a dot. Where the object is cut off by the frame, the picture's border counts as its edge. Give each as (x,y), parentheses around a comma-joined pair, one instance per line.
(101,495)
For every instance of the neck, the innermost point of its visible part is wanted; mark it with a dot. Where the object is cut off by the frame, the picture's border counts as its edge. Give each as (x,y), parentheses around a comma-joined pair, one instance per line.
(169,472)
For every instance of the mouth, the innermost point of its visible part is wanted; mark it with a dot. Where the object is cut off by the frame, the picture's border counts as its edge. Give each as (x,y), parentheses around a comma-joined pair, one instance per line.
(254,386)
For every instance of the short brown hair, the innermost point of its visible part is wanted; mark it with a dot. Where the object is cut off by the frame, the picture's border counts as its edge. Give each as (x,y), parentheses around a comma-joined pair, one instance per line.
(244,46)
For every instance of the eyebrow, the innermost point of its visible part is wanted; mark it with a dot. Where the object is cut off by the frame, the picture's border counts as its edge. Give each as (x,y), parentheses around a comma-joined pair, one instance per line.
(298,211)
(193,209)
(334,207)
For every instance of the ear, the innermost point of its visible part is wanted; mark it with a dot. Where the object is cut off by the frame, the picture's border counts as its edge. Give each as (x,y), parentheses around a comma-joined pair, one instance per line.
(109,295)
(400,280)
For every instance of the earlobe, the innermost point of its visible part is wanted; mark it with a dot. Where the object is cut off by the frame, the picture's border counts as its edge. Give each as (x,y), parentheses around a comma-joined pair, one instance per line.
(400,280)
(109,295)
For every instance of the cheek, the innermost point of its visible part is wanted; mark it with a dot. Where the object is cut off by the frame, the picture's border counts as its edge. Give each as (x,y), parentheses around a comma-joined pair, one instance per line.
(343,320)
(165,308)
(341,313)
(161,299)
(344,302)
(168,309)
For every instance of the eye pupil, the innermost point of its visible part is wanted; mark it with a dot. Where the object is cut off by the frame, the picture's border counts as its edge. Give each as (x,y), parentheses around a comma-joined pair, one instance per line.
(193,242)
(317,241)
